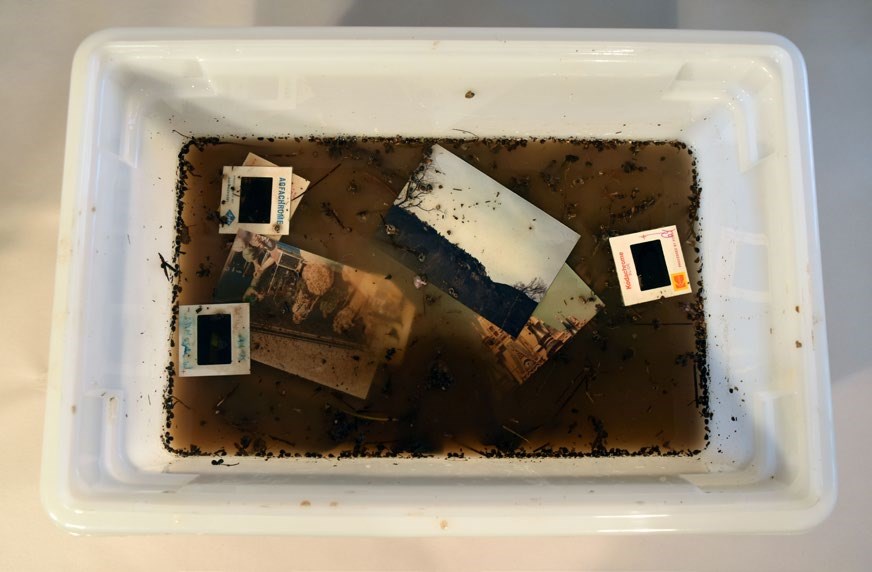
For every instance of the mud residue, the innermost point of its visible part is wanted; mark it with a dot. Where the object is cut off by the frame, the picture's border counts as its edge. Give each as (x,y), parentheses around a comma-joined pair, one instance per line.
(633,382)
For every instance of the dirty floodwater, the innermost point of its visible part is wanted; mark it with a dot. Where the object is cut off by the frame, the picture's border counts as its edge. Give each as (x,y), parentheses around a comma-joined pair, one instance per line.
(632,382)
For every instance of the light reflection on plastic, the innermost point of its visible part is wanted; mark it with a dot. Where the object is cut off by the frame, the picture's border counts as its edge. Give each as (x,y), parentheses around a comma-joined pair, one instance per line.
(604,52)
(640,515)
(636,530)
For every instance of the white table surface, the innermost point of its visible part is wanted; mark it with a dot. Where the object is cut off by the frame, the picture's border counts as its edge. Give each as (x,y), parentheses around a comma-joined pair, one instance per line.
(37,40)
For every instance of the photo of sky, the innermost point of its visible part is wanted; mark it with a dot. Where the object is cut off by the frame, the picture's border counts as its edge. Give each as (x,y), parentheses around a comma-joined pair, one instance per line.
(476,240)
(514,240)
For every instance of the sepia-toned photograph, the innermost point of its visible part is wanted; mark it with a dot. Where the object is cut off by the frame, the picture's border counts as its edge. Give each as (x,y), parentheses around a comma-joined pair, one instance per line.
(567,306)
(304,305)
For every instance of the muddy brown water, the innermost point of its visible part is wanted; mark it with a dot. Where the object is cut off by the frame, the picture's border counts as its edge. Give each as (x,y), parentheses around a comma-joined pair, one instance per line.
(632,382)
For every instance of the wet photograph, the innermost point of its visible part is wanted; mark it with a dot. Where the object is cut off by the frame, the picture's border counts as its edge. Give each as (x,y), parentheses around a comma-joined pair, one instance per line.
(306,308)
(474,239)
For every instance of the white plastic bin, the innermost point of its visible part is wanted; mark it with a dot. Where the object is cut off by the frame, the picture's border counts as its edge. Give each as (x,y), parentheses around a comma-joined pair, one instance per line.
(740,101)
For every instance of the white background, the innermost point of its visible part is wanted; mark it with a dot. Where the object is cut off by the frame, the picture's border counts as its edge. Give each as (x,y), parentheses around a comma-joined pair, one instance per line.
(37,41)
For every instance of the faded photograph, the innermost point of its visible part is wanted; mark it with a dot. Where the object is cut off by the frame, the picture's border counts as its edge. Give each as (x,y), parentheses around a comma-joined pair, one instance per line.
(567,306)
(479,242)
(314,317)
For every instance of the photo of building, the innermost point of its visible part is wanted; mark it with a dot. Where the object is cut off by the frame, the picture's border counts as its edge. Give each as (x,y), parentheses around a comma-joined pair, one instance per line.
(567,306)
(314,317)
